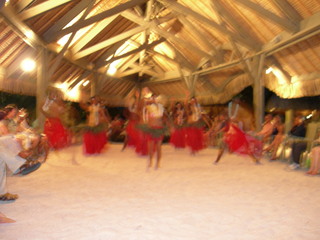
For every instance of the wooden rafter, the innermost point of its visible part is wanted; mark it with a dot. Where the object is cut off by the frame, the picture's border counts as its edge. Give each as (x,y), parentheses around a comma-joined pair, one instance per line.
(216,56)
(65,47)
(225,14)
(109,42)
(22,4)
(92,33)
(179,56)
(282,22)
(189,12)
(137,50)
(108,13)
(41,8)
(109,53)
(63,21)
(288,10)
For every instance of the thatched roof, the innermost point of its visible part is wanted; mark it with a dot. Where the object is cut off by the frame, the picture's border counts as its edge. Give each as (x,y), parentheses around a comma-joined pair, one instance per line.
(214,49)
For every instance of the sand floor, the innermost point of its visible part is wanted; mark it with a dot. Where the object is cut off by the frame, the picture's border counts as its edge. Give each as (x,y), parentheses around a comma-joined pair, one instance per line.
(112,196)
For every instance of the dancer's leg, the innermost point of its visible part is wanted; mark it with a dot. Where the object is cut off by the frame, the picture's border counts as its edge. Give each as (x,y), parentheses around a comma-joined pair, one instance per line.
(159,153)
(220,153)
(150,152)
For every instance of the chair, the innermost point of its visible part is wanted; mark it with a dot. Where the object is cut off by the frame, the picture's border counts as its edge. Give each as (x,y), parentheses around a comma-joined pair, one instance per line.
(312,132)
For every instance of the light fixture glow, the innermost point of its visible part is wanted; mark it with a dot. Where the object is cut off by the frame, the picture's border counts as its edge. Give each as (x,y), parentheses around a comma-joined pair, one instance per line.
(269,70)
(112,69)
(28,65)
(85,83)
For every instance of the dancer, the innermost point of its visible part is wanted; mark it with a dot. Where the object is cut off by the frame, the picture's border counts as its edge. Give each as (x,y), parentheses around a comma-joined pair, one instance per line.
(195,126)
(155,117)
(132,114)
(178,132)
(238,141)
(54,128)
(142,141)
(95,136)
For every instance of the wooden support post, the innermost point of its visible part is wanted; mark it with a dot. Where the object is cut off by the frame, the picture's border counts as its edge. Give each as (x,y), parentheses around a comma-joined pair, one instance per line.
(42,84)
(288,120)
(258,93)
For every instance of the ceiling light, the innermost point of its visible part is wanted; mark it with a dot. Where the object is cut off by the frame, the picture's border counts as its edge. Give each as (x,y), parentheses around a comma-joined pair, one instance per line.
(112,69)
(28,65)
(85,83)
(269,70)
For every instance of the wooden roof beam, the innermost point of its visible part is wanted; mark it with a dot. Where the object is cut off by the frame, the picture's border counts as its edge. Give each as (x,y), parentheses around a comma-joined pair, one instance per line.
(41,8)
(189,12)
(136,19)
(109,42)
(63,21)
(288,10)
(92,33)
(23,4)
(108,13)
(128,62)
(154,25)
(216,56)
(218,6)
(110,52)
(137,50)
(282,22)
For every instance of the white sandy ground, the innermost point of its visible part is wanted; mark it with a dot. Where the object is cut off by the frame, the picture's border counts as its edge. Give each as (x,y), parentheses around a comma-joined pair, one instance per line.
(111,196)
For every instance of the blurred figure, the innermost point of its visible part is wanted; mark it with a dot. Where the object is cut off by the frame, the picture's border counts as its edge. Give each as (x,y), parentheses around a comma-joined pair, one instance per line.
(315,157)
(95,136)
(278,139)
(178,132)
(267,129)
(237,141)
(299,145)
(54,109)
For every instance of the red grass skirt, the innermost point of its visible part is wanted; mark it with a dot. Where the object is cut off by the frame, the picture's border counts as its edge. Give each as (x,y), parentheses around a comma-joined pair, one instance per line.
(195,138)
(58,136)
(94,143)
(142,143)
(178,138)
(132,133)
(242,143)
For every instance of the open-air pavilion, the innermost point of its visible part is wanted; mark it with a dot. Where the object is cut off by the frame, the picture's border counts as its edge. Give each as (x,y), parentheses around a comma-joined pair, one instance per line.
(212,49)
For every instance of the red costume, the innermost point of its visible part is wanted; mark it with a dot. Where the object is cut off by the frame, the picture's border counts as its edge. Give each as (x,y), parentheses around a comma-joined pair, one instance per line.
(58,136)
(240,142)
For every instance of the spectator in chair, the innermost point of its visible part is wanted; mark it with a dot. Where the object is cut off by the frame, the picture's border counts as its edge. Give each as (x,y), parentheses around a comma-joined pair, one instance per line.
(298,131)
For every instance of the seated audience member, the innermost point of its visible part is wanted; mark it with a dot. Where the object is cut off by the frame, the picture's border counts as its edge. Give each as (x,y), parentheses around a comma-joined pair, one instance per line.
(297,131)
(10,150)
(267,129)
(315,158)
(278,139)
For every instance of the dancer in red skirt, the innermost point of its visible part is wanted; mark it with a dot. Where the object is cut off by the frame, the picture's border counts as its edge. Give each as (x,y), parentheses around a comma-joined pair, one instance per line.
(132,134)
(195,126)
(154,114)
(95,135)
(238,141)
(178,132)
(54,109)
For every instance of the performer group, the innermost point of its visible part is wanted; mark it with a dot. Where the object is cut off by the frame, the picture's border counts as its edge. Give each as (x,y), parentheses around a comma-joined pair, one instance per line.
(183,124)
